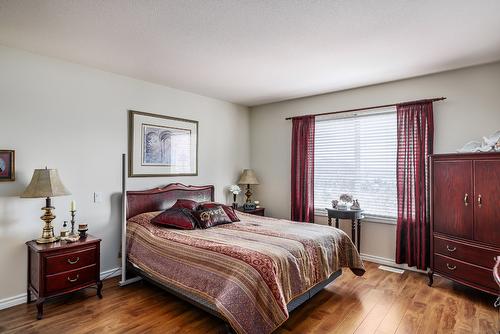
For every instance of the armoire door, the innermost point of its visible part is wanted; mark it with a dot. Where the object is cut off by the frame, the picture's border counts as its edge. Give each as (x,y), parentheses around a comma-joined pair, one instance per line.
(452,199)
(487,201)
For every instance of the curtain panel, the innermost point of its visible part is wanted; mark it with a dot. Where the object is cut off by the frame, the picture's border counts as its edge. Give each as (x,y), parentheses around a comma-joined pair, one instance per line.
(302,182)
(415,134)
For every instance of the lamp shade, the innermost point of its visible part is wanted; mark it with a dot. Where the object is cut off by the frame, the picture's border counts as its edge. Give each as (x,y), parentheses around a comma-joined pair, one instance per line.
(248,177)
(45,183)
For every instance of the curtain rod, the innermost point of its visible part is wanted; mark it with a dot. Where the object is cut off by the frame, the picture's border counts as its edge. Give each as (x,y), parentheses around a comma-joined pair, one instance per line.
(373,107)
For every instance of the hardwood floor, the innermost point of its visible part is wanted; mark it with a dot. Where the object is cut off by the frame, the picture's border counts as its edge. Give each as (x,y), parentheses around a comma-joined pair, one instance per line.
(380,302)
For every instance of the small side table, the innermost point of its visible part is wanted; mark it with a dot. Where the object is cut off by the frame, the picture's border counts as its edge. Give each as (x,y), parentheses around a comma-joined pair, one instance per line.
(60,267)
(257,212)
(354,215)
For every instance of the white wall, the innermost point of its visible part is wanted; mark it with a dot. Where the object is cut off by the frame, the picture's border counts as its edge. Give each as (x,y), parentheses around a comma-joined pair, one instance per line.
(74,118)
(471,111)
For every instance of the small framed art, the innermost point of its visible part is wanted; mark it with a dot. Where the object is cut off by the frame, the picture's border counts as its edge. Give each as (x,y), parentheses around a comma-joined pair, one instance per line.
(162,145)
(7,165)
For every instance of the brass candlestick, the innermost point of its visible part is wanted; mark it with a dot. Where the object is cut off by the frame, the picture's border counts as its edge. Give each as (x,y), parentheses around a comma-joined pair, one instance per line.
(73,212)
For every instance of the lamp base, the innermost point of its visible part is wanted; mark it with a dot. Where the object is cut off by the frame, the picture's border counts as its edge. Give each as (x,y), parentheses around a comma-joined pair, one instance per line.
(248,194)
(47,240)
(48,231)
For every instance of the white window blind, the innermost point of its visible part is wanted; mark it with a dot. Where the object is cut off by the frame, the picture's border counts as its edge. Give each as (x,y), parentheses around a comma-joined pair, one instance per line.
(357,155)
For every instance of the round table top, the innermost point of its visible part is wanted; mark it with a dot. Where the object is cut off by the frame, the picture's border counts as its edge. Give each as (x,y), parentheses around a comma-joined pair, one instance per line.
(345,214)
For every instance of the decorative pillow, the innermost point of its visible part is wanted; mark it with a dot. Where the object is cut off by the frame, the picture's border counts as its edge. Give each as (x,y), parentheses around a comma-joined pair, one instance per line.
(211,217)
(227,209)
(180,218)
(186,204)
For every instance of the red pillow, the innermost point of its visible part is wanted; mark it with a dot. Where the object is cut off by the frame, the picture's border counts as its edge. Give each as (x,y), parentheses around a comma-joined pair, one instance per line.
(180,218)
(211,217)
(186,204)
(227,209)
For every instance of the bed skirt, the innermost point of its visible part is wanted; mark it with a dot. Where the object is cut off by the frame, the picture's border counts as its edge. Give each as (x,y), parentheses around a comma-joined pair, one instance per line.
(194,300)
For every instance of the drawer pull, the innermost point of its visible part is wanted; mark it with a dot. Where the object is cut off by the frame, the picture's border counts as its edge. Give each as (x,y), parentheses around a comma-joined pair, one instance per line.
(451,249)
(73,280)
(75,261)
(466,199)
(451,267)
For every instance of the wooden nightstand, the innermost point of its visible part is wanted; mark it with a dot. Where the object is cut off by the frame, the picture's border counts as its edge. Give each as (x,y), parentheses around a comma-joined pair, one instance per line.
(257,212)
(58,268)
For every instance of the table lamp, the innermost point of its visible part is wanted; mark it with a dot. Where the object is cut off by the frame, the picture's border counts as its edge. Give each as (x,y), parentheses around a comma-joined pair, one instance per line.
(46,183)
(248,177)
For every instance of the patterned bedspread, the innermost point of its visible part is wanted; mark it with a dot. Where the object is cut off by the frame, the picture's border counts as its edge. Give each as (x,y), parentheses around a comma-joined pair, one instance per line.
(248,271)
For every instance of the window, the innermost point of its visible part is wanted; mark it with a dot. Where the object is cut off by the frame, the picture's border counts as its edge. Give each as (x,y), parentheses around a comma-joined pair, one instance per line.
(357,155)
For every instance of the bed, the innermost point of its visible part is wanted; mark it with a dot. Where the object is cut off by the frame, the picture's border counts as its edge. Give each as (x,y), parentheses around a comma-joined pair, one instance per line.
(250,273)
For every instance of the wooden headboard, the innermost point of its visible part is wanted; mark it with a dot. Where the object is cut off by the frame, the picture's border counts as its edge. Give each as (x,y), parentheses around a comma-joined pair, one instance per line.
(159,199)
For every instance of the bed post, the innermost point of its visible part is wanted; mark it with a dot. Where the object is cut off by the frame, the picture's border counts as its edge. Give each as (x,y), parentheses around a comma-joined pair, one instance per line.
(124,280)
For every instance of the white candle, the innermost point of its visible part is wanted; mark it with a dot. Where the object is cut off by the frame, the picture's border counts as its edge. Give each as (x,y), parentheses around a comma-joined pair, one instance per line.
(73,205)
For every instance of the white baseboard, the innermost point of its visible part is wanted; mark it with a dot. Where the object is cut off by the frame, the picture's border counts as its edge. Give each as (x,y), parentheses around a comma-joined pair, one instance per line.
(111,273)
(21,299)
(389,262)
(12,301)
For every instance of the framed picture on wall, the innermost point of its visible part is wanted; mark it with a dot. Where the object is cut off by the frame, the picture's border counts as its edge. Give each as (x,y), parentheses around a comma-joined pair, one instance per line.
(7,165)
(162,145)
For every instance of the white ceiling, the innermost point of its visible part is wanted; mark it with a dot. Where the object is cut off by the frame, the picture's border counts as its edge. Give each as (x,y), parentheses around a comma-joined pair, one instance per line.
(254,52)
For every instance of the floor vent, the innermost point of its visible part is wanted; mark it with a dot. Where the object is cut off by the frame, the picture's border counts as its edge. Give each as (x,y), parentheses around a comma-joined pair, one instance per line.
(391,269)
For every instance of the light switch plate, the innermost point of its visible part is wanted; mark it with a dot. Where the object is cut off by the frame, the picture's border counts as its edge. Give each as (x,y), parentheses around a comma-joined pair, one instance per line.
(97,197)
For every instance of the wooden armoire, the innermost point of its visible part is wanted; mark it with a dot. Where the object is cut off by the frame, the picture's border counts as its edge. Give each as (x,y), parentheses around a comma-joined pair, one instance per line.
(465,218)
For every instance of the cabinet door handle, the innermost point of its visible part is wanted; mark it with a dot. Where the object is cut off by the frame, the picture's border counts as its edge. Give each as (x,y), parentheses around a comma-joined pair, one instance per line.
(73,280)
(479,200)
(74,261)
(451,267)
(451,249)
(466,199)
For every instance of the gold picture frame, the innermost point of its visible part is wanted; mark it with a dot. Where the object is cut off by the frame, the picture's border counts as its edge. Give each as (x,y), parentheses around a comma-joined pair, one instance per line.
(160,145)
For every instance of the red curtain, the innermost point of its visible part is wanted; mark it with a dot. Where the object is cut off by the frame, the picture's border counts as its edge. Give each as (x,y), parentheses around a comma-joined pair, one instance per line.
(415,132)
(303,169)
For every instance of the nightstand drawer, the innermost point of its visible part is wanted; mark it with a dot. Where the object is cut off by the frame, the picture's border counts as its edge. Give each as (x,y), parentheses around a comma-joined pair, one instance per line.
(70,279)
(71,260)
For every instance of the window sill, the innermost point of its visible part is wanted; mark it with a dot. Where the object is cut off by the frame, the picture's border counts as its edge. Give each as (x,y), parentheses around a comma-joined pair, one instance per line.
(367,219)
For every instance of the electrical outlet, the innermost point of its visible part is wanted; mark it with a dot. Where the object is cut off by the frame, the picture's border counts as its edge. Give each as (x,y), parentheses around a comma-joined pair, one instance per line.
(97,197)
